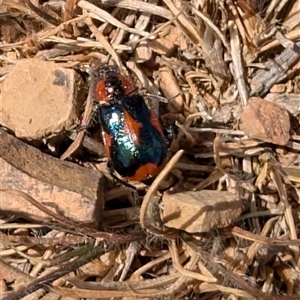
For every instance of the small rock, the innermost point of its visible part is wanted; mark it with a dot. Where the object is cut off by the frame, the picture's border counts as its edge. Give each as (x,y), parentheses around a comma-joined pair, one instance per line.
(40,99)
(265,121)
(200,211)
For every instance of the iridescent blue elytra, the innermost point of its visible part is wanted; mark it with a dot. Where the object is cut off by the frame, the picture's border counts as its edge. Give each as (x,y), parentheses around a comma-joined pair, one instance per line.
(132,136)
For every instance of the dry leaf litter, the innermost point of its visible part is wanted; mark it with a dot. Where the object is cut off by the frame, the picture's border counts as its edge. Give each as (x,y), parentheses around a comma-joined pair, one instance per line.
(221,221)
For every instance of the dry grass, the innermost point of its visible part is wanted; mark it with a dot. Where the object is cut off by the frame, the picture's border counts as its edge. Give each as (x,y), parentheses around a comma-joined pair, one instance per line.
(205,59)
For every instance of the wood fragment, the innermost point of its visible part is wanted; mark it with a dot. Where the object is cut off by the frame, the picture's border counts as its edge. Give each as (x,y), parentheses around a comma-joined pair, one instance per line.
(275,71)
(90,183)
(239,73)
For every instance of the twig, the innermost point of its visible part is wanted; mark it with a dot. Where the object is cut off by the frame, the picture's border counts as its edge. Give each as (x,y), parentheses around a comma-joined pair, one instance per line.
(183,271)
(97,12)
(275,71)
(46,17)
(153,188)
(44,281)
(238,71)
(227,274)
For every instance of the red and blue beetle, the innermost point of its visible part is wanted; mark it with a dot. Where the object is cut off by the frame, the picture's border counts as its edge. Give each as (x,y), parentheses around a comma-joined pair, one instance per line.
(133,138)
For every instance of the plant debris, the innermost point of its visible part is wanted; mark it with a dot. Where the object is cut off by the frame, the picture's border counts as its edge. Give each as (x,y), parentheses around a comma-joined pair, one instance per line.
(221,220)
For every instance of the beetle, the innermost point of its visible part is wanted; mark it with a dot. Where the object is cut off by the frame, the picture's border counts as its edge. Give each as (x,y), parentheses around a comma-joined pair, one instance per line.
(132,136)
